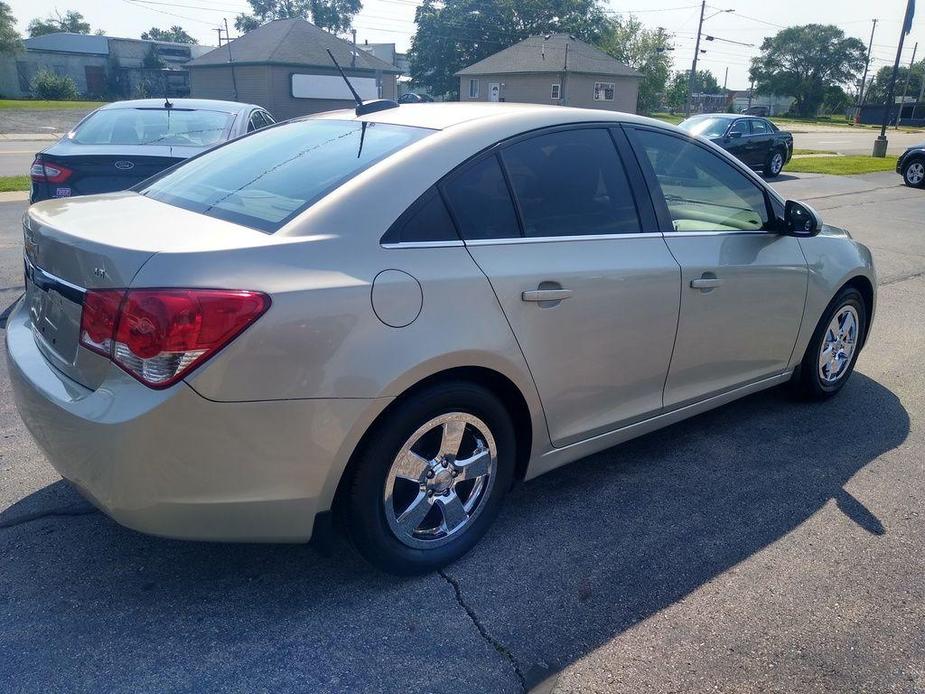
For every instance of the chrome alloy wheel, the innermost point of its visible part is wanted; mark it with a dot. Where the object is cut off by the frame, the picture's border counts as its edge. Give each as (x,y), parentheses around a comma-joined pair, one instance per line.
(439,480)
(915,173)
(777,163)
(838,344)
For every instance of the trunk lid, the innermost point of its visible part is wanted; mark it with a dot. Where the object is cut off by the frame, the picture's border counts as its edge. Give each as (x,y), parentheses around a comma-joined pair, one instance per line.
(102,242)
(109,168)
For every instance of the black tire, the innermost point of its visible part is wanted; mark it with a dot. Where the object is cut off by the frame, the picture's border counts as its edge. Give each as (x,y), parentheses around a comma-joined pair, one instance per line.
(807,381)
(364,509)
(914,172)
(773,166)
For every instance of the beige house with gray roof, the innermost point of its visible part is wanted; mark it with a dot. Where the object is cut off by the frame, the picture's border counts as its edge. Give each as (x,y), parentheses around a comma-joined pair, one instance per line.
(553,69)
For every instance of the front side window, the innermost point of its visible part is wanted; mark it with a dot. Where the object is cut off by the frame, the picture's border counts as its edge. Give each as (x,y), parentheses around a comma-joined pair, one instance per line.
(603,91)
(264,180)
(153,126)
(740,126)
(481,203)
(473,89)
(703,192)
(571,183)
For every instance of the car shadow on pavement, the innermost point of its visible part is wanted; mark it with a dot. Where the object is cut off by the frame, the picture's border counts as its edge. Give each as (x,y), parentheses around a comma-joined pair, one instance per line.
(577,557)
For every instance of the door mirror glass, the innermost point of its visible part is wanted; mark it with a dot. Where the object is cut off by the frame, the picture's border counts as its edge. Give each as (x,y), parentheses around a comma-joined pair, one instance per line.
(734,134)
(800,219)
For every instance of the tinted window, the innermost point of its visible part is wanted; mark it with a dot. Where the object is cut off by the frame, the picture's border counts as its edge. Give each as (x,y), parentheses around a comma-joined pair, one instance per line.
(265,179)
(759,127)
(703,192)
(740,126)
(426,220)
(481,203)
(706,126)
(153,126)
(571,183)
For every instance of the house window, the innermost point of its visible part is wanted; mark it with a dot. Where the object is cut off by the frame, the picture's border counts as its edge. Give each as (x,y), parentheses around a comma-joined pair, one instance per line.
(603,91)
(473,89)
(556,93)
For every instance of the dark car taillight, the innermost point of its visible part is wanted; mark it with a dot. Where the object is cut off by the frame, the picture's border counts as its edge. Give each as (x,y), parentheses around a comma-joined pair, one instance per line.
(49,172)
(160,335)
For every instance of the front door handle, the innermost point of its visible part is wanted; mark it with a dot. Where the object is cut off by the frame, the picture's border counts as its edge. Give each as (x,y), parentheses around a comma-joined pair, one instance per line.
(706,283)
(546,295)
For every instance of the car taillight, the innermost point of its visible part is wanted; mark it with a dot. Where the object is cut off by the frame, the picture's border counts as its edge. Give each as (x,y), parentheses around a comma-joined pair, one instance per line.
(49,172)
(160,335)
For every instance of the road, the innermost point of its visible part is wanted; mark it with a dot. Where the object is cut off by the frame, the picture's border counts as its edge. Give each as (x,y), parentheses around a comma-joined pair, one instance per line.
(16,155)
(850,140)
(769,545)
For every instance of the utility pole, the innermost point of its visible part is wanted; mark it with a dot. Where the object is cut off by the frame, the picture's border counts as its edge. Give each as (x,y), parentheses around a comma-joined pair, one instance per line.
(219,30)
(726,78)
(693,75)
(902,102)
(880,144)
(866,67)
(751,90)
(234,81)
(353,54)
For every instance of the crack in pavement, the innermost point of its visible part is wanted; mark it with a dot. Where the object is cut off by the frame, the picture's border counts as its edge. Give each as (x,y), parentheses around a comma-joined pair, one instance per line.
(39,515)
(902,278)
(497,645)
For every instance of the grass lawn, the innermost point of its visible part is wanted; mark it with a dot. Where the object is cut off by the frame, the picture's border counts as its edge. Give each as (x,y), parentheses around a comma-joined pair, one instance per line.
(813,151)
(842,166)
(667,117)
(39,105)
(11,183)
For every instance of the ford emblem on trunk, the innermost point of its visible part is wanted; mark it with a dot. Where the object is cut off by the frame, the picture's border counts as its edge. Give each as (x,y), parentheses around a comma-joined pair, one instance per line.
(124,165)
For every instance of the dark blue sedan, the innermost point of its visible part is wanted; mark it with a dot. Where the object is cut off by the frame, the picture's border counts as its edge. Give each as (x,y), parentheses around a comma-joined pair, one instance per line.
(123,143)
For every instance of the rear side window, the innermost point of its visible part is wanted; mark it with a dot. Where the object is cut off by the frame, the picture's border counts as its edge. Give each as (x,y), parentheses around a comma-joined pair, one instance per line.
(759,127)
(426,220)
(481,202)
(153,126)
(571,183)
(264,180)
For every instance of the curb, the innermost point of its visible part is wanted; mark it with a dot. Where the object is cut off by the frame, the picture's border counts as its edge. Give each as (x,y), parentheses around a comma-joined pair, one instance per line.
(15,196)
(30,137)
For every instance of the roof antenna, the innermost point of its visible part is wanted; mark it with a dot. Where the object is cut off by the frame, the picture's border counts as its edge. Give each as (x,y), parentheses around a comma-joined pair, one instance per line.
(167,103)
(363,107)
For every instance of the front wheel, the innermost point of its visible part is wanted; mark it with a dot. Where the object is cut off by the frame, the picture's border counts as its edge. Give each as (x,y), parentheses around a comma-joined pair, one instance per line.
(833,350)
(775,164)
(914,173)
(430,478)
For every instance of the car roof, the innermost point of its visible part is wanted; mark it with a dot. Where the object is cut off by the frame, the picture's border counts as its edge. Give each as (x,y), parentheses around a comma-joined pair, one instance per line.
(197,104)
(444,115)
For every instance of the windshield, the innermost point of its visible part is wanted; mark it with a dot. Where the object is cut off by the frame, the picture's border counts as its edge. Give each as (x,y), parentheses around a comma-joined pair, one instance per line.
(265,179)
(706,127)
(153,126)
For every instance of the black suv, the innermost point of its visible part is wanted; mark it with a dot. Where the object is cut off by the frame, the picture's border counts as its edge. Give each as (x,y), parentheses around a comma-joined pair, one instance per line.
(911,166)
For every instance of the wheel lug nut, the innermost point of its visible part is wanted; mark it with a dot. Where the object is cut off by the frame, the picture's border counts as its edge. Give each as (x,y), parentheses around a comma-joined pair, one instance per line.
(455,473)
(430,474)
(430,493)
(446,492)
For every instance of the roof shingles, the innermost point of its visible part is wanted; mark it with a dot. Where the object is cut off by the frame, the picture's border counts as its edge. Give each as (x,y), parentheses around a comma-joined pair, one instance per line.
(541,54)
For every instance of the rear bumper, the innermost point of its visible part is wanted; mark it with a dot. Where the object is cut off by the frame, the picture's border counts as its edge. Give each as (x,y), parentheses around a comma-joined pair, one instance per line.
(172,463)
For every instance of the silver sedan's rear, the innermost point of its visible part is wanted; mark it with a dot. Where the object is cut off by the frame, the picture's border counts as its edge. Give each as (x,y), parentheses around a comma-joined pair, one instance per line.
(349,312)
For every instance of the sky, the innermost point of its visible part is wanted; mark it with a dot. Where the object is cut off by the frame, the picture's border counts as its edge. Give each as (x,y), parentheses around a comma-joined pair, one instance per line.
(392,21)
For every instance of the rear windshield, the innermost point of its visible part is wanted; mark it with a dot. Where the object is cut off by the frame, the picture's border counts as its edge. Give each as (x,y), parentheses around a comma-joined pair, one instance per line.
(265,179)
(153,126)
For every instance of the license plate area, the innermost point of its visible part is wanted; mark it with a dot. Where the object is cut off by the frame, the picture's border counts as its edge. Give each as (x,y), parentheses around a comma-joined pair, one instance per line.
(54,314)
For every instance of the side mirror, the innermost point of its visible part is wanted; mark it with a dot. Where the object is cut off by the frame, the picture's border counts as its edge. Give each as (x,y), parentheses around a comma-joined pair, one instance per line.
(734,136)
(800,219)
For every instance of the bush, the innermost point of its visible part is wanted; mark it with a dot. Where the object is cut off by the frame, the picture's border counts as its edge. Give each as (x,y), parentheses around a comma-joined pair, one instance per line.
(48,85)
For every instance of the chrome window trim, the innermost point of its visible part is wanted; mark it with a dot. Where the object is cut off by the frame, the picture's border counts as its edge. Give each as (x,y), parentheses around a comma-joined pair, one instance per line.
(720,232)
(423,244)
(553,239)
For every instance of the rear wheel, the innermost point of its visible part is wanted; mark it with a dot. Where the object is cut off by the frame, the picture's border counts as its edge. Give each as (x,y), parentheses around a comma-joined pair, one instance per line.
(431,478)
(775,164)
(833,350)
(914,173)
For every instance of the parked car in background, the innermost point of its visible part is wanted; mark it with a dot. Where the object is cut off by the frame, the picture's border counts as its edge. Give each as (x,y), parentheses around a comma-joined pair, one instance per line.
(762,111)
(392,316)
(755,141)
(123,143)
(412,98)
(911,166)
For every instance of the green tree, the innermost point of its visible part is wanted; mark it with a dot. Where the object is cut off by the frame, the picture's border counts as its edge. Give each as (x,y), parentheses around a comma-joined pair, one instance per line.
(645,50)
(176,34)
(804,61)
(452,34)
(10,42)
(879,87)
(332,15)
(676,94)
(71,22)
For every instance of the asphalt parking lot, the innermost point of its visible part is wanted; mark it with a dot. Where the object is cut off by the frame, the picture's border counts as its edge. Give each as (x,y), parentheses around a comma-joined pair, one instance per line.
(769,545)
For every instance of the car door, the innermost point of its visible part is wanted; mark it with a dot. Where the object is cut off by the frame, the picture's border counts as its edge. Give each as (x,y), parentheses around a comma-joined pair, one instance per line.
(736,140)
(761,137)
(588,287)
(743,284)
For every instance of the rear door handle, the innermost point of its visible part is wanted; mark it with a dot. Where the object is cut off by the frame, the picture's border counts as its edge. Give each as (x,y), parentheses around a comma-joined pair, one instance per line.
(546,295)
(706,283)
